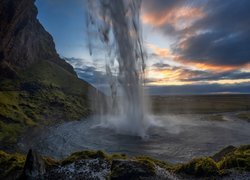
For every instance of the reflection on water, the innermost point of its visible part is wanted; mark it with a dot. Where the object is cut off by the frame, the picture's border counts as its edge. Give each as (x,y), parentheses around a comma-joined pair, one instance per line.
(176,139)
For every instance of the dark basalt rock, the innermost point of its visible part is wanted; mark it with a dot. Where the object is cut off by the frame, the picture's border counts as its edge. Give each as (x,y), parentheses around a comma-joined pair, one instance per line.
(24,41)
(42,88)
(127,169)
(34,167)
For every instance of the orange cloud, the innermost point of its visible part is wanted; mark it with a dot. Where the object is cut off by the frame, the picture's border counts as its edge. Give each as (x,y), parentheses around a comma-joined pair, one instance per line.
(205,66)
(179,17)
(167,54)
(216,68)
(159,77)
(162,52)
(246,68)
(170,75)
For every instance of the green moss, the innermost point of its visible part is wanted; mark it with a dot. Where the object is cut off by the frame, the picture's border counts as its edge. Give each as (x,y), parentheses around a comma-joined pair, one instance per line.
(222,153)
(50,162)
(148,163)
(127,167)
(159,163)
(11,165)
(238,159)
(201,167)
(118,156)
(52,75)
(9,133)
(44,94)
(84,155)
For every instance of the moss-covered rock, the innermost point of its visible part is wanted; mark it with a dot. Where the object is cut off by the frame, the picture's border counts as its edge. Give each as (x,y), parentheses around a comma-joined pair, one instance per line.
(11,165)
(120,166)
(162,164)
(222,153)
(51,96)
(201,167)
(84,155)
(237,159)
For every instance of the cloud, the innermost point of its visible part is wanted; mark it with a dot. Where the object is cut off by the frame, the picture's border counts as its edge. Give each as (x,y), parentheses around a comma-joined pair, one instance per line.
(88,72)
(207,33)
(161,65)
(162,52)
(216,48)
(187,78)
(161,73)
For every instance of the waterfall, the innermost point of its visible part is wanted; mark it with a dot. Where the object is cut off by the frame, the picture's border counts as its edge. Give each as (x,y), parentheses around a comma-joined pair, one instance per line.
(117,25)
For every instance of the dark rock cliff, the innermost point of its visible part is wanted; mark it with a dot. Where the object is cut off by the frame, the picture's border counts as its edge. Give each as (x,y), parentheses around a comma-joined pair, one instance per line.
(24,41)
(36,87)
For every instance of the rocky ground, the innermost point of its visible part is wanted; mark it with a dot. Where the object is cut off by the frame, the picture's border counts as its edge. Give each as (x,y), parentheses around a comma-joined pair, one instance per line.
(229,163)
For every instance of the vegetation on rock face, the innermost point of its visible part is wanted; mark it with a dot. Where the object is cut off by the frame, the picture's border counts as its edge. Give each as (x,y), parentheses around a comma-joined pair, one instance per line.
(49,96)
(84,155)
(199,167)
(222,153)
(37,87)
(11,165)
(228,158)
(238,159)
(162,164)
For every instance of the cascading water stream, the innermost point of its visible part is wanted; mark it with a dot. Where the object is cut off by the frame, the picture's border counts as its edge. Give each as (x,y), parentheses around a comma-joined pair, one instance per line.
(117,24)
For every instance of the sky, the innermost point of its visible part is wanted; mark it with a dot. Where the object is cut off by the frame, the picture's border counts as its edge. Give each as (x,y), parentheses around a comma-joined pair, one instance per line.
(193,47)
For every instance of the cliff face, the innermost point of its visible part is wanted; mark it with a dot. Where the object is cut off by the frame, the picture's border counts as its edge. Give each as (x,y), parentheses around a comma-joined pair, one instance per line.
(24,41)
(36,86)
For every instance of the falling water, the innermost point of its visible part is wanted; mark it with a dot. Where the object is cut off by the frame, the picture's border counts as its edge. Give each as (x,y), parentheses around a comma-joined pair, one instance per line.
(117,24)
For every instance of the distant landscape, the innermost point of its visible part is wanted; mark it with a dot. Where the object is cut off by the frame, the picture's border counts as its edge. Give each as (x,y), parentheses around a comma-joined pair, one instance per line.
(201,104)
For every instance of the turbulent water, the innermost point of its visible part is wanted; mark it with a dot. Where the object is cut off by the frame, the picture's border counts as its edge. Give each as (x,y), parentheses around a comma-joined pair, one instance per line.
(117,25)
(178,138)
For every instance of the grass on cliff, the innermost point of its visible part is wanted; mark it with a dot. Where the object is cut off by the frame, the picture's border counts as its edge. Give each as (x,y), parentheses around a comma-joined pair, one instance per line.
(52,75)
(43,94)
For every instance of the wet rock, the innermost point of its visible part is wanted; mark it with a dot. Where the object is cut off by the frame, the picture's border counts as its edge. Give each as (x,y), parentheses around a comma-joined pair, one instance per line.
(87,169)
(128,169)
(34,167)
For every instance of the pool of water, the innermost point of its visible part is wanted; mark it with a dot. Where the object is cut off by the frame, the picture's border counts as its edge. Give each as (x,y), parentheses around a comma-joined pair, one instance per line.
(177,138)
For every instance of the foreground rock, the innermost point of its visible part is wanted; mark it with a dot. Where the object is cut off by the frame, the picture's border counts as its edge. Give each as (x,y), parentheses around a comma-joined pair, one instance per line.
(98,165)
(34,166)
